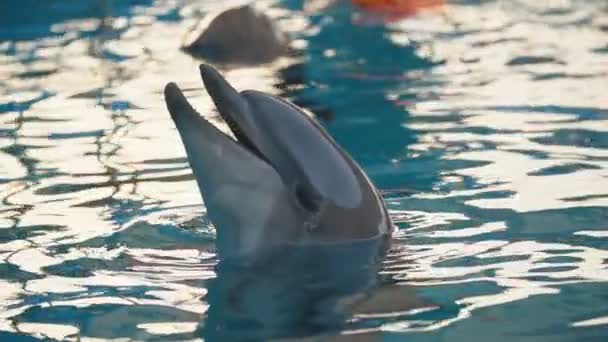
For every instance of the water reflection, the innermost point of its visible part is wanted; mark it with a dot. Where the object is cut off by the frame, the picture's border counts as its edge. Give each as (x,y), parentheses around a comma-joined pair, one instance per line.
(269,300)
(487,123)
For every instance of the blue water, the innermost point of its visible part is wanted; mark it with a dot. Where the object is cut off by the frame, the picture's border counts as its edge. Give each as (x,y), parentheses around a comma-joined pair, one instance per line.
(485,124)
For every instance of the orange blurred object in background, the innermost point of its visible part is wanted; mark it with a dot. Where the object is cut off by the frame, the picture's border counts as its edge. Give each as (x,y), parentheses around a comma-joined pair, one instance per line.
(397,8)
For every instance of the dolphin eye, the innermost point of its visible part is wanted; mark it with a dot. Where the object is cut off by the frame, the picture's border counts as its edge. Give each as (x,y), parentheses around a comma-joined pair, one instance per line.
(306,199)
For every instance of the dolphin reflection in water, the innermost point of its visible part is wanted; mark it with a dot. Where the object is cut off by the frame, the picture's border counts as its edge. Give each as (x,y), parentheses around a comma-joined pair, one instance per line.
(301,230)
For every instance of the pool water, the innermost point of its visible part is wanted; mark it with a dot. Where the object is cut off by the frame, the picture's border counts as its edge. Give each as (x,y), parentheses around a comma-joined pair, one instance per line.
(483,123)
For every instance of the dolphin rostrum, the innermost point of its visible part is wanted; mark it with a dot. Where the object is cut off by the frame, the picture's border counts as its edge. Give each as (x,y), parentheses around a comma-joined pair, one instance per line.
(281,181)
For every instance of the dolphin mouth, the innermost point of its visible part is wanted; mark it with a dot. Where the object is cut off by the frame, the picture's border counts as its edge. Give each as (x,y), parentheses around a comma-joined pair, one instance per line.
(232,107)
(240,137)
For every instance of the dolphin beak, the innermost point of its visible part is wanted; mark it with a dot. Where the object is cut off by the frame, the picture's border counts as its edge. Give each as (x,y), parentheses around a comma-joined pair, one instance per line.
(177,104)
(228,173)
(227,100)
(232,106)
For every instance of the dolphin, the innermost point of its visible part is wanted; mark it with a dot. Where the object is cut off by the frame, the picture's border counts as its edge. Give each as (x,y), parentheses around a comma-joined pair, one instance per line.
(240,36)
(281,181)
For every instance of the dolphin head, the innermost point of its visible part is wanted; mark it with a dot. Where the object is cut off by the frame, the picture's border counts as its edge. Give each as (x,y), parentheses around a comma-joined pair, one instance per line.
(282,179)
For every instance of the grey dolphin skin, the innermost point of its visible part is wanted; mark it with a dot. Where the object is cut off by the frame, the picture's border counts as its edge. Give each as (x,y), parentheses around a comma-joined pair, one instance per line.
(240,36)
(282,181)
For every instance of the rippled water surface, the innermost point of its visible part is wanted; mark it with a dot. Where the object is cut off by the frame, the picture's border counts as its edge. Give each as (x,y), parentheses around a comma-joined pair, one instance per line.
(484,123)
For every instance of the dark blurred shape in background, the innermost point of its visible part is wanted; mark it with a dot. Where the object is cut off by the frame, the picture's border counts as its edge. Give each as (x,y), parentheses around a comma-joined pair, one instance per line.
(241,36)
